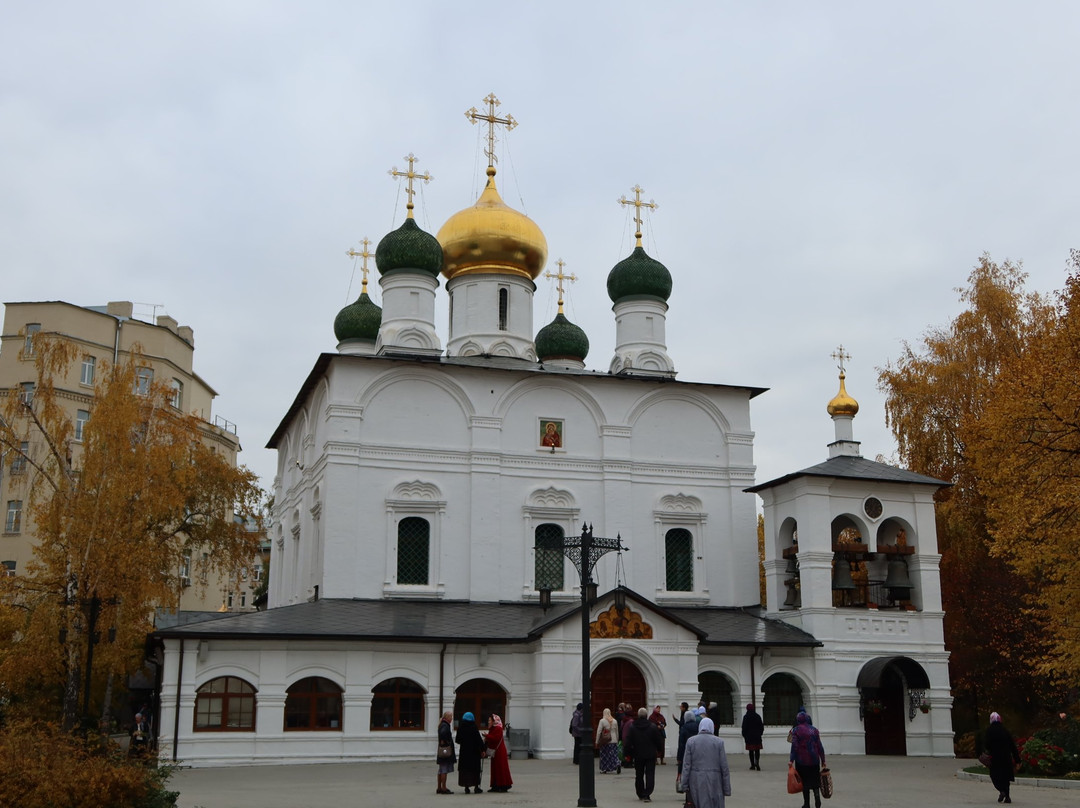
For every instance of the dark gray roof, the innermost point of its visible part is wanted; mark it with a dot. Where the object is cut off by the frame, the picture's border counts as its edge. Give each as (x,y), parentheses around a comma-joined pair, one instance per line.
(464,621)
(856,468)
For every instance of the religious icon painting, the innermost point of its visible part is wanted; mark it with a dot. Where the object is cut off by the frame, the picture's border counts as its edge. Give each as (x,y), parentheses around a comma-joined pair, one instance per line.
(551,433)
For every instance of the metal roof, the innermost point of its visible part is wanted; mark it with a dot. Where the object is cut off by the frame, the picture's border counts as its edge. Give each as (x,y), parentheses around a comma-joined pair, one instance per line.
(855,468)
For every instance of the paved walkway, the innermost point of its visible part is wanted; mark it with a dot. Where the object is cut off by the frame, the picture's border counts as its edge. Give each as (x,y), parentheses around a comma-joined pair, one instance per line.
(875,782)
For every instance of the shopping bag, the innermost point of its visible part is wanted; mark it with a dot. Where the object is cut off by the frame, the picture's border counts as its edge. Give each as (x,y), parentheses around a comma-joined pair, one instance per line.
(678,784)
(826,782)
(794,782)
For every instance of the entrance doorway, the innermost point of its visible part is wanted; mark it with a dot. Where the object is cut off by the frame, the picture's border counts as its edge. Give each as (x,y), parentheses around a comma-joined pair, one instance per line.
(883,687)
(614,681)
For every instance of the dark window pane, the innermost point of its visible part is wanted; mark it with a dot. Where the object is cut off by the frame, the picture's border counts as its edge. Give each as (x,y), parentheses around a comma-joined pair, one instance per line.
(549,557)
(413,550)
(679,551)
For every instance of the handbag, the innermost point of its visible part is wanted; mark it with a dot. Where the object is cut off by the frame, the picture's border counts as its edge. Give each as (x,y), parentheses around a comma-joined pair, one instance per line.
(794,781)
(678,784)
(826,782)
(605,736)
(446,751)
(985,759)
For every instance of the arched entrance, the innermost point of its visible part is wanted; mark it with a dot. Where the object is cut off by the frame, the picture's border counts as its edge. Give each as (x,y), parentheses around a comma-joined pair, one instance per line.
(883,688)
(481,697)
(616,680)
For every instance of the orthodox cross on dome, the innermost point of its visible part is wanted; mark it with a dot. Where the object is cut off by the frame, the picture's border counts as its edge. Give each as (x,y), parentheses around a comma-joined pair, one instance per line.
(363,255)
(560,276)
(410,175)
(840,355)
(638,205)
(492,119)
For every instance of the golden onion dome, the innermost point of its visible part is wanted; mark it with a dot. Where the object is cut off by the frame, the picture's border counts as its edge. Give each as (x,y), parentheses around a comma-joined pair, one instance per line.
(491,237)
(842,403)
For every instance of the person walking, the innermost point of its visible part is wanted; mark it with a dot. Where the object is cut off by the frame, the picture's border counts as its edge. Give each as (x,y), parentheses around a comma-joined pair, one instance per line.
(577,720)
(752,730)
(495,741)
(687,730)
(642,743)
(1003,757)
(607,740)
(446,741)
(706,776)
(808,756)
(472,747)
(657,717)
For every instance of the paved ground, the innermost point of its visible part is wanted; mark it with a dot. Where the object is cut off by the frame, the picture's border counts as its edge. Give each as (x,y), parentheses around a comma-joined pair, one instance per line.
(875,782)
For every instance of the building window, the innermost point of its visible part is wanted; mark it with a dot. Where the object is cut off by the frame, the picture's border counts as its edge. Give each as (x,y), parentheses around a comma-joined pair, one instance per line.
(144,379)
(229,601)
(81,417)
(549,557)
(313,704)
(481,697)
(781,700)
(225,704)
(679,555)
(413,551)
(243,599)
(8,567)
(26,393)
(31,331)
(504,308)
(18,463)
(176,394)
(397,703)
(86,376)
(14,516)
(716,689)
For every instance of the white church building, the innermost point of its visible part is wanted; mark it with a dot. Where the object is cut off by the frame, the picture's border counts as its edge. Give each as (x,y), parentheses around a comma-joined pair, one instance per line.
(423,495)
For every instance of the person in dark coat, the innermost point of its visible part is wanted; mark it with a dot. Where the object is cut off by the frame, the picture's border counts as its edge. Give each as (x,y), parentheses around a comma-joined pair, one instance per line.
(642,742)
(446,765)
(683,709)
(579,730)
(752,730)
(472,745)
(1003,757)
(714,713)
(808,755)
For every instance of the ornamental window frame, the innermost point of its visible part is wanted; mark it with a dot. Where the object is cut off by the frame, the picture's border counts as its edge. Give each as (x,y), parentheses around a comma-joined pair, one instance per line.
(422,500)
(674,512)
(555,507)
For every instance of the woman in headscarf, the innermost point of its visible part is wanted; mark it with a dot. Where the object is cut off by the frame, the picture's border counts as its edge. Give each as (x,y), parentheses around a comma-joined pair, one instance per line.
(752,730)
(471,746)
(607,739)
(495,741)
(1003,757)
(808,755)
(657,718)
(446,739)
(705,772)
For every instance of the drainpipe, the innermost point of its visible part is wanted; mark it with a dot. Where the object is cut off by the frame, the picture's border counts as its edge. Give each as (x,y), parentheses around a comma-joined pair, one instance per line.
(116,343)
(753,684)
(442,677)
(176,717)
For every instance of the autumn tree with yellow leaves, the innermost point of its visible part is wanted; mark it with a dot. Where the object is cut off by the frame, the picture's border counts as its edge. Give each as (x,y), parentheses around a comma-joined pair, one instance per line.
(936,397)
(114,515)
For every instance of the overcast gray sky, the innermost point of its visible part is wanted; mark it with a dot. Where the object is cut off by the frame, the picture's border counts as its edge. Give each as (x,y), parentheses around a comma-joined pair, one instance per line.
(827,172)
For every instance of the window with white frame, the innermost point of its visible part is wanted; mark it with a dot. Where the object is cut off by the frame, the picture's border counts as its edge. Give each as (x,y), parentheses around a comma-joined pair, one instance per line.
(26,393)
(176,394)
(32,329)
(414,510)
(680,523)
(86,375)
(81,417)
(144,379)
(13,523)
(8,567)
(18,463)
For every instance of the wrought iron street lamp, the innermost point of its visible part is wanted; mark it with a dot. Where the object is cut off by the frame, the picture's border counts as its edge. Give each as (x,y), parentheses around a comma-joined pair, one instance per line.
(584,551)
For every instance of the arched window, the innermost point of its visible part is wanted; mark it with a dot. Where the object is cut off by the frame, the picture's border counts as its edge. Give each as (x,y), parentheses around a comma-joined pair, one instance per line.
(397,703)
(313,703)
(679,552)
(549,557)
(225,704)
(781,701)
(414,542)
(716,688)
(481,697)
(504,308)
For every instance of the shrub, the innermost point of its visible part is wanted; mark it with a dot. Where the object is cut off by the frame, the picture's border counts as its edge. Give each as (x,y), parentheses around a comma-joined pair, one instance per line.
(56,768)
(1042,758)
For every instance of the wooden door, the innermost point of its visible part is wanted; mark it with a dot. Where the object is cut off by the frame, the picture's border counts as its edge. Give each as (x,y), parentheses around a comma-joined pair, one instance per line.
(886,730)
(613,681)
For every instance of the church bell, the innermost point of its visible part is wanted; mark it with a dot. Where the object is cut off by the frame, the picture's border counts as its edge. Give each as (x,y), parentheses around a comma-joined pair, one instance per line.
(792,598)
(842,575)
(896,580)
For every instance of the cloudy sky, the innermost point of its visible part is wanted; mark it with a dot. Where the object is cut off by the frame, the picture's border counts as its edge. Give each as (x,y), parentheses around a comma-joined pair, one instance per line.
(827,172)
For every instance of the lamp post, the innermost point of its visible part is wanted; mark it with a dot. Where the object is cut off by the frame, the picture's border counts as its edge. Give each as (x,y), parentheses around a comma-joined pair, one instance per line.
(584,551)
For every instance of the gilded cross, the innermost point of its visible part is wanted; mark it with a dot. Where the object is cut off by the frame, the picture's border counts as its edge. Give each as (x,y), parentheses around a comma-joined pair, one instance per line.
(410,175)
(560,276)
(363,255)
(492,119)
(841,356)
(638,205)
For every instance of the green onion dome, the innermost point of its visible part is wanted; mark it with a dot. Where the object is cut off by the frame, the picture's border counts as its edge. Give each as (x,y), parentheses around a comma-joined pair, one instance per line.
(359,320)
(409,249)
(561,339)
(638,276)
